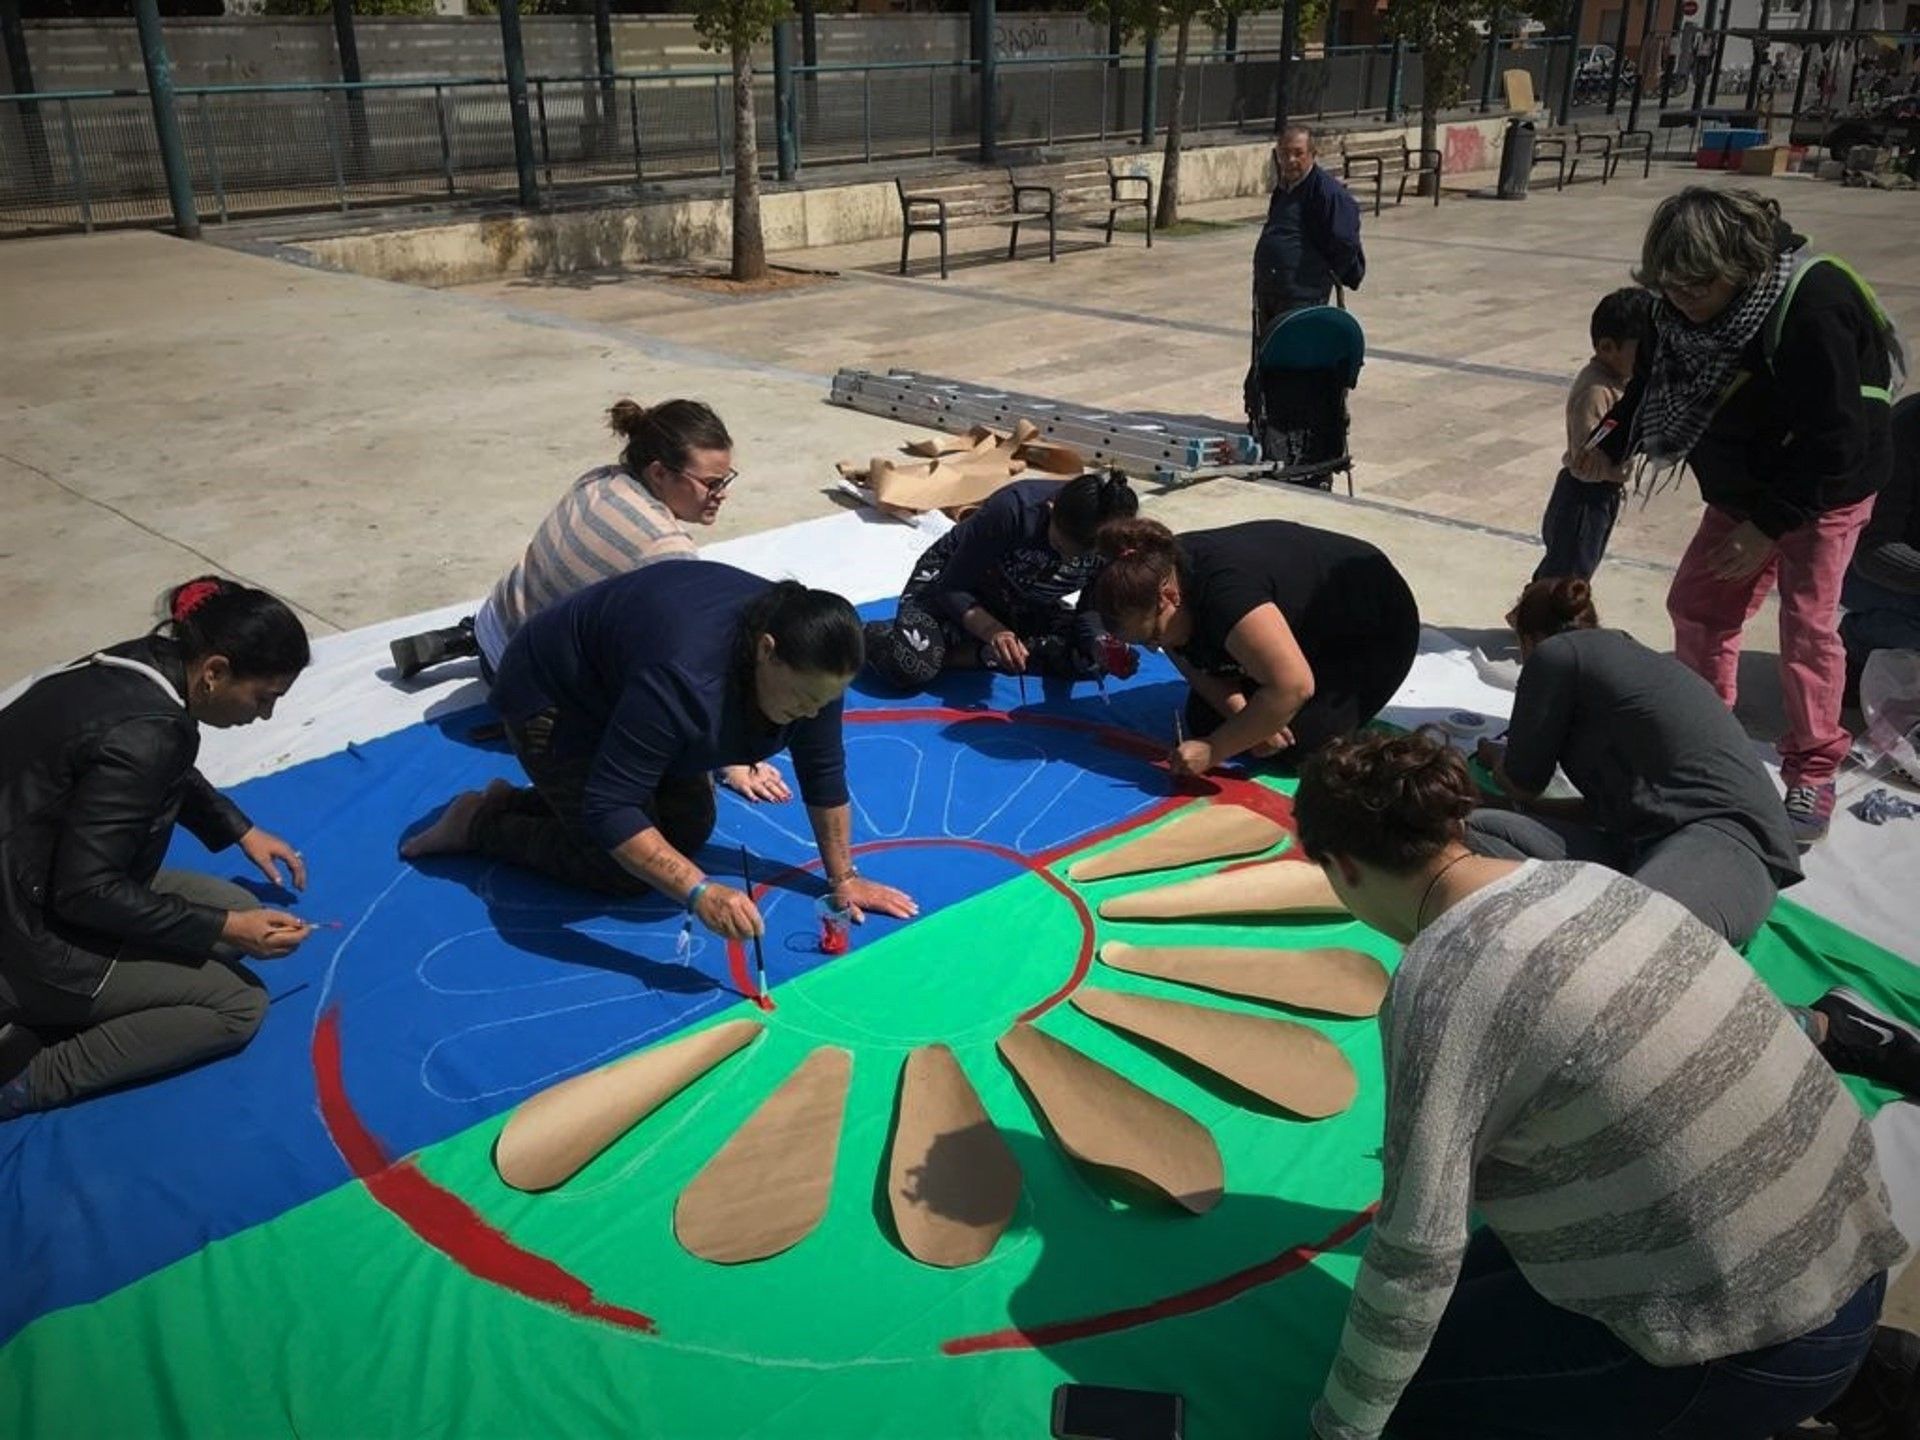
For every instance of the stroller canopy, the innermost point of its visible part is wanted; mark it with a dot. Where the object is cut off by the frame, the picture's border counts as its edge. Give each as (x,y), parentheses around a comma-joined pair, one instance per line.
(1319,337)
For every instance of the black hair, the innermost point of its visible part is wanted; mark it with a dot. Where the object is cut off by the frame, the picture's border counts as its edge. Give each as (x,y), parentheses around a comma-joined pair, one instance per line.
(668,432)
(1394,801)
(1087,502)
(260,637)
(816,631)
(1626,314)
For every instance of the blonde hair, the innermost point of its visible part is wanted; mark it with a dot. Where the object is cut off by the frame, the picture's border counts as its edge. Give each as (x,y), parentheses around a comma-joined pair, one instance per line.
(1700,235)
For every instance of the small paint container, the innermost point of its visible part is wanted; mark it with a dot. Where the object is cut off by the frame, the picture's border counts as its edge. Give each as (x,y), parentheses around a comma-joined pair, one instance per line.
(834,923)
(1464,724)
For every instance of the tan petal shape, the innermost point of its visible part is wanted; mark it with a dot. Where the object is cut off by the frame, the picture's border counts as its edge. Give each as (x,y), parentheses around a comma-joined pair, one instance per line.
(767,1187)
(1294,1066)
(1273,887)
(1214,832)
(551,1137)
(953,1181)
(1103,1118)
(1332,981)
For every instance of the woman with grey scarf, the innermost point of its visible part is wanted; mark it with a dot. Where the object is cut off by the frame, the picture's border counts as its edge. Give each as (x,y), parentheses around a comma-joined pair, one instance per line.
(1770,377)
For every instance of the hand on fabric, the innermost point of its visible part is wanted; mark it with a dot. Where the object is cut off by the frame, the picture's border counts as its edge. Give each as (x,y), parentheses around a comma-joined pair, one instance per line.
(264,934)
(1190,757)
(1007,653)
(761,783)
(1741,554)
(1277,743)
(1490,754)
(729,913)
(267,851)
(859,895)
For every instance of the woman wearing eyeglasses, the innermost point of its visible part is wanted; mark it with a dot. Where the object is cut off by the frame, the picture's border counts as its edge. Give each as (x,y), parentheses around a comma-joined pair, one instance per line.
(675,473)
(1287,635)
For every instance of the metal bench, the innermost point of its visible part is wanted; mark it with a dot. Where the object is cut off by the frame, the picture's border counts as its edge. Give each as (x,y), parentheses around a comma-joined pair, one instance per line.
(1568,145)
(1390,155)
(1075,187)
(942,203)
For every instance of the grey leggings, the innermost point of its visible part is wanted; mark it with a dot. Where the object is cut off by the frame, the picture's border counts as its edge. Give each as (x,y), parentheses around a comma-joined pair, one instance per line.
(1723,882)
(152,1016)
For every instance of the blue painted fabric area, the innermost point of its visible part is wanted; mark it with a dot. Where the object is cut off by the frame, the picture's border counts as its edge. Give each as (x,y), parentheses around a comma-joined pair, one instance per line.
(462,987)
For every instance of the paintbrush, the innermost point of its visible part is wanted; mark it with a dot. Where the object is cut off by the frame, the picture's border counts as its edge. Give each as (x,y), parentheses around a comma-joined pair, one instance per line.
(1179,729)
(1022,677)
(759,950)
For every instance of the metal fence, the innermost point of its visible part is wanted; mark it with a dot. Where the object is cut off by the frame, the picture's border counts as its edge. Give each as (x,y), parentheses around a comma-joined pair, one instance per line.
(83,159)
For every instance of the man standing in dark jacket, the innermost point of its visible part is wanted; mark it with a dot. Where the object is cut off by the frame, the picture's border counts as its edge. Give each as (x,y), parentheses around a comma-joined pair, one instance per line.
(1310,243)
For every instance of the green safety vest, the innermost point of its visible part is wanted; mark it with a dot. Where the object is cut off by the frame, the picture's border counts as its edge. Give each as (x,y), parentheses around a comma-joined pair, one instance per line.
(1889,332)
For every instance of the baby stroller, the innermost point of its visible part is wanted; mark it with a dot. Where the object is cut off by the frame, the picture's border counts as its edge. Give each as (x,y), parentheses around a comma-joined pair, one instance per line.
(1304,367)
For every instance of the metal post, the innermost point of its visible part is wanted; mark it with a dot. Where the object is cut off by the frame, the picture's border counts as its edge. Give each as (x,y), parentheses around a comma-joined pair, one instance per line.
(1640,70)
(1114,37)
(1719,54)
(546,140)
(1283,82)
(1233,34)
(1700,71)
(77,166)
(1619,60)
(1150,91)
(719,129)
(1105,71)
(1493,57)
(333,151)
(1397,76)
(1049,102)
(446,140)
(607,108)
(1753,63)
(166,121)
(349,51)
(633,119)
(1667,71)
(786,140)
(1853,69)
(1574,17)
(212,153)
(866,115)
(515,52)
(989,84)
(20,72)
(1800,88)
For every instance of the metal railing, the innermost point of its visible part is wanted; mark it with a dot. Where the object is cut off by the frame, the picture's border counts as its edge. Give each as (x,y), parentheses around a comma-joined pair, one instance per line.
(83,159)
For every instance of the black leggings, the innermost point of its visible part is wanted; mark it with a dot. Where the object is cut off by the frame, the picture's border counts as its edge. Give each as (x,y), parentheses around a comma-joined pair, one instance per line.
(540,829)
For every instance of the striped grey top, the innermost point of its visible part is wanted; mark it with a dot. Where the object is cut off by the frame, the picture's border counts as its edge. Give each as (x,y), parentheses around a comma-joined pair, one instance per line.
(1634,1114)
(605,525)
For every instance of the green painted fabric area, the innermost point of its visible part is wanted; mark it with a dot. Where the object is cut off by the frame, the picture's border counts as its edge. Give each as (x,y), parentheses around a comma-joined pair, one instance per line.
(335,1320)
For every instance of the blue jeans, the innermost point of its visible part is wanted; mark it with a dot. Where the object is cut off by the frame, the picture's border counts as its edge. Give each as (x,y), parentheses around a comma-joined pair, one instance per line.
(1507,1364)
(1877,618)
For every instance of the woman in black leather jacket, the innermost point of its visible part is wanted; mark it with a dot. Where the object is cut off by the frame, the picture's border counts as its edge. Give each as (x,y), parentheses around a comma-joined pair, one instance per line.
(128,968)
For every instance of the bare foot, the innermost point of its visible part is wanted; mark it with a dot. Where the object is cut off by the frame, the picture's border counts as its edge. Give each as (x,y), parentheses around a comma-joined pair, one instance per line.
(452,832)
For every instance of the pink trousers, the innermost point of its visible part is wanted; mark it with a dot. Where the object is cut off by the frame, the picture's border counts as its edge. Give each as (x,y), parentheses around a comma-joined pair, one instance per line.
(1708,613)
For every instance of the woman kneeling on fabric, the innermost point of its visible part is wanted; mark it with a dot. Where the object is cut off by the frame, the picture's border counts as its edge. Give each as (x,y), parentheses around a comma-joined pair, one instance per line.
(623,699)
(1686,1232)
(128,965)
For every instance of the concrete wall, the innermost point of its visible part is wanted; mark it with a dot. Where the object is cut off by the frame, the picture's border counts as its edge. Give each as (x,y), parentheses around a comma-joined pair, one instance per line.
(682,228)
(238,50)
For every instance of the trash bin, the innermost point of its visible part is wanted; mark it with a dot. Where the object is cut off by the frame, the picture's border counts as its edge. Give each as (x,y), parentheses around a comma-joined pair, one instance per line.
(1516,160)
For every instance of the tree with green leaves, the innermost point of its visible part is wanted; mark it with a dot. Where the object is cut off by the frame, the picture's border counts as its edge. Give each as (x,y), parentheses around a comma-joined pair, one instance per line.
(736,26)
(1449,34)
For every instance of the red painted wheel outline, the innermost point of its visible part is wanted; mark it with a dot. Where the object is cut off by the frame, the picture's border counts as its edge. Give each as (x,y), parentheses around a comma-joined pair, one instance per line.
(447,1223)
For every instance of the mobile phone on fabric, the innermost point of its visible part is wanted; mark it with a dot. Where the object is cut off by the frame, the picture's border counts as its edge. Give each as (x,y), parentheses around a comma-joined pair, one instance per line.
(1104,1412)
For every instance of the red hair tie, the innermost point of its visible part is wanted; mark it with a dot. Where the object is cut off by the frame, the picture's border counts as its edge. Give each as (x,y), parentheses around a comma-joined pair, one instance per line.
(1128,553)
(191,596)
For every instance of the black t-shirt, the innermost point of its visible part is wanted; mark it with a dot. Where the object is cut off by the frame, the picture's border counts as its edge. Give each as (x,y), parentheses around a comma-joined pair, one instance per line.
(1331,588)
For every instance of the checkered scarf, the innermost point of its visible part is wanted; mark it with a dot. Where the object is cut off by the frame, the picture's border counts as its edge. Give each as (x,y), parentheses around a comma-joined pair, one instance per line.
(1691,368)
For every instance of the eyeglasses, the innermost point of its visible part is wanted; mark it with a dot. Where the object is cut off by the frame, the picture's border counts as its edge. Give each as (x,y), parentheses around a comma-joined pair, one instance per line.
(712,484)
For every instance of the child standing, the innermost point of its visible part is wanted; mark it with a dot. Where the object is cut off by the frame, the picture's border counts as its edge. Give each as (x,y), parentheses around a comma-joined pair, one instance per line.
(1586,495)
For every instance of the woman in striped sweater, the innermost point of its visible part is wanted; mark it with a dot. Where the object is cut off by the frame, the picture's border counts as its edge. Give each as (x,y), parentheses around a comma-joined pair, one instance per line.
(1686,1233)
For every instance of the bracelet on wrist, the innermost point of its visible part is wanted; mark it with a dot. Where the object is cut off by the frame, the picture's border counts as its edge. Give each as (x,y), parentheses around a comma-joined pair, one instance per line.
(839,882)
(693,895)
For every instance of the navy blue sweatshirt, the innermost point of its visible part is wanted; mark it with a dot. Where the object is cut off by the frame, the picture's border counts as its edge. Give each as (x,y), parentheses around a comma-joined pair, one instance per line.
(642,671)
(1310,241)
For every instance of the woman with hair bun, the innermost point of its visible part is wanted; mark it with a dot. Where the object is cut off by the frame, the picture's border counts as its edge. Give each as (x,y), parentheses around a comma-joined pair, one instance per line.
(991,593)
(674,473)
(622,700)
(1684,1230)
(112,969)
(1287,635)
(1672,792)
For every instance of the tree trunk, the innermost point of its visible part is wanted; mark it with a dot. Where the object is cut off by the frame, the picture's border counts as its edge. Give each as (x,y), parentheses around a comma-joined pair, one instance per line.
(1169,209)
(1429,137)
(749,244)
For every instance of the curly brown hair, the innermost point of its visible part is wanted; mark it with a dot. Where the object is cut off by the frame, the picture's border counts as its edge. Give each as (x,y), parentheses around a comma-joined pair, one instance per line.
(1393,801)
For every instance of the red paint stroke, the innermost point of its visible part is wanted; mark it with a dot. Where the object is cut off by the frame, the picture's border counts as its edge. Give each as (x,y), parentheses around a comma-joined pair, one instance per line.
(438,1216)
(1187,1302)
(737,951)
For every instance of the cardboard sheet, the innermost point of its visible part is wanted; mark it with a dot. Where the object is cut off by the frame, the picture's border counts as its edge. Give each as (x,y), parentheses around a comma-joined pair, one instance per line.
(553,1136)
(1272,887)
(952,1180)
(1331,981)
(1103,1118)
(1214,832)
(767,1188)
(1287,1064)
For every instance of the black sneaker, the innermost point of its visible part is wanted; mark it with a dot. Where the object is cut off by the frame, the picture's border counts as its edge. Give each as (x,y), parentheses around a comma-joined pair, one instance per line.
(1862,1041)
(414,653)
(1883,1400)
